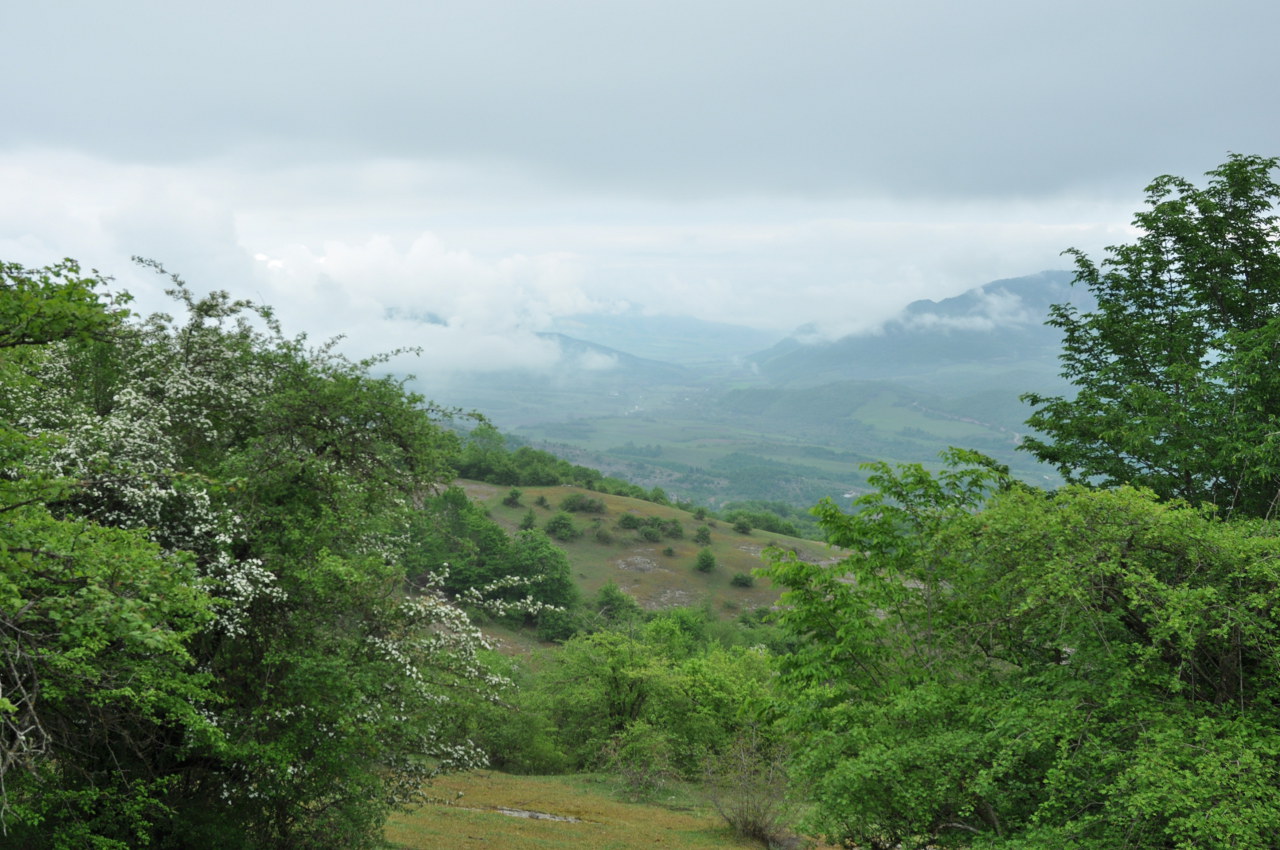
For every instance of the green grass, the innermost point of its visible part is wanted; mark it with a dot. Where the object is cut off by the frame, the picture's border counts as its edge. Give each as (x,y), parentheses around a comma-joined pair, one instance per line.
(466,817)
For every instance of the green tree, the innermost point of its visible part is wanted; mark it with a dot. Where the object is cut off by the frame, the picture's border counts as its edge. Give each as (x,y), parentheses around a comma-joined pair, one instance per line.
(204,549)
(995,666)
(702,536)
(1177,370)
(96,673)
(706,561)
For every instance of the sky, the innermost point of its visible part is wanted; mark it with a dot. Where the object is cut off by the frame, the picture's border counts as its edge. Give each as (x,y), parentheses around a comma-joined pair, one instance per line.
(496,164)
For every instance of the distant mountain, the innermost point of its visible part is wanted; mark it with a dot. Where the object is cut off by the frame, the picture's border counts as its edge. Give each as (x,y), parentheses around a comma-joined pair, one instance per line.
(998,327)
(675,339)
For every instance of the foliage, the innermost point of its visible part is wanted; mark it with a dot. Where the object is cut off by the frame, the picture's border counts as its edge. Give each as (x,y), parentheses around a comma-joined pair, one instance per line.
(581,503)
(614,605)
(706,561)
(630,521)
(512,499)
(561,527)
(996,666)
(1177,371)
(670,687)
(747,784)
(205,539)
(743,580)
(702,536)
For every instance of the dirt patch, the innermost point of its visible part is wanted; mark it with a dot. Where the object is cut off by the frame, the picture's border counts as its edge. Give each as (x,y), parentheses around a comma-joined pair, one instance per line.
(636,564)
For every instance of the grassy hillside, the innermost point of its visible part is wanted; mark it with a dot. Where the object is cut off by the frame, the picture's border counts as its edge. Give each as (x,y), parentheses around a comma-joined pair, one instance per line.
(645,569)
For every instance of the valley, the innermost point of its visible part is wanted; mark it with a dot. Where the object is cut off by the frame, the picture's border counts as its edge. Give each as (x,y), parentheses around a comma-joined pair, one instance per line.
(720,423)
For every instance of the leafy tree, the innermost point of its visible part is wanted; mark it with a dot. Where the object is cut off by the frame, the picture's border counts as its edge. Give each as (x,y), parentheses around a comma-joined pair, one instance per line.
(1177,370)
(702,536)
(706,561)
(997,666)
(204,549)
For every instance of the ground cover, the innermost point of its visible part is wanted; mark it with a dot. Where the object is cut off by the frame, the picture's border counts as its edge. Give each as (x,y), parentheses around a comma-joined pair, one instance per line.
(468,814)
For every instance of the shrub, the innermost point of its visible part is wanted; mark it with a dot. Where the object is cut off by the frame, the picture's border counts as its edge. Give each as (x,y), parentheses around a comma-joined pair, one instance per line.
(580,503)
(747,786)
(706,561)
(702,536)
(650,534)
(512,499)
(529,520)
(630,522)
(742,580)
(641,756)
(742,526)
(561,527)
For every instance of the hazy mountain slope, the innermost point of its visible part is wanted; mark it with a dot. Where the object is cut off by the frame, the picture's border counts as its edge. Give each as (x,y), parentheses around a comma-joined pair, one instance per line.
(994,328)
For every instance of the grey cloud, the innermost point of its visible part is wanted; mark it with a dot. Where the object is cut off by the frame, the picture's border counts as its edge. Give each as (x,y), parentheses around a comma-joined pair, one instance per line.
(676,99)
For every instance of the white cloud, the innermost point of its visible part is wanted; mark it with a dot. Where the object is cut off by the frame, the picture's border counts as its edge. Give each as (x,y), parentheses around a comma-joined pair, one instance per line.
(364,248)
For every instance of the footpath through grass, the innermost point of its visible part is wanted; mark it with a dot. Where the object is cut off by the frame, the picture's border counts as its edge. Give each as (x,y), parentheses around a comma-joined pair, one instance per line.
(604,819)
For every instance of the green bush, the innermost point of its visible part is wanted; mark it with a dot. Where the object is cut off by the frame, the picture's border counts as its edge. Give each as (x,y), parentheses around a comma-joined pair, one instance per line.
(580,503)
(561,527)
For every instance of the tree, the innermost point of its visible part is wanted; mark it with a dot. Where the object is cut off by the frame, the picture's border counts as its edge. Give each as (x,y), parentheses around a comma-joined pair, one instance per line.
(204,539)
(706,561)
(995,666)
(1177,370)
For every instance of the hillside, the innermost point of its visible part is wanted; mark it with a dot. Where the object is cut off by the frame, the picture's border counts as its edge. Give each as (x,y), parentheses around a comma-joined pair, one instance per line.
(660,573)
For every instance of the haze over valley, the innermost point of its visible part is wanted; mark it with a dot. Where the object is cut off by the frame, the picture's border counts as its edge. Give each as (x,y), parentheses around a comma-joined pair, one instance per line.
(714,413)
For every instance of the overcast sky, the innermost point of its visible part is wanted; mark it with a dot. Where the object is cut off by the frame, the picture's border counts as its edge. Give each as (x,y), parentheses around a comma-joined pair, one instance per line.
(498,164)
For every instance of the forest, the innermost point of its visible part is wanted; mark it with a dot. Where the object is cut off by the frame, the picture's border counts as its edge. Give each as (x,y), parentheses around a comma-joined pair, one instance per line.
(244,603)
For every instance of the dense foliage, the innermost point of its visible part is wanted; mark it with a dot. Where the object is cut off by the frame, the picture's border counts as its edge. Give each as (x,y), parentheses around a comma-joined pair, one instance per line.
(207,637)
(1078,669)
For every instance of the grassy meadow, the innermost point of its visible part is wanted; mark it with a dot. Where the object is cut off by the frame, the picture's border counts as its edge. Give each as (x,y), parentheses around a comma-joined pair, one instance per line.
(644,569)
(467,813)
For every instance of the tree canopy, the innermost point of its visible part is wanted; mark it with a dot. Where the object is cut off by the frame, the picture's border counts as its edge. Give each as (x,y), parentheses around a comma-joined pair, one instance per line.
(995,666)
(1177,370)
